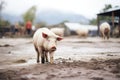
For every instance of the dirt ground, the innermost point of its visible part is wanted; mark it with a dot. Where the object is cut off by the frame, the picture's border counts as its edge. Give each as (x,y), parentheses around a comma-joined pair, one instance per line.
(75,59)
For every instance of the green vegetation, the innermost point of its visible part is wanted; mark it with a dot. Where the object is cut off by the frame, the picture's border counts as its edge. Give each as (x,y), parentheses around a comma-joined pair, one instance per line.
(106,18)
(93,21)
(3,23)
(30,14)
(41,24)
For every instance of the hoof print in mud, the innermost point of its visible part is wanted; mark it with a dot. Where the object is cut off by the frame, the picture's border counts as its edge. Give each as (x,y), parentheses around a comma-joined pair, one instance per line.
(97,78)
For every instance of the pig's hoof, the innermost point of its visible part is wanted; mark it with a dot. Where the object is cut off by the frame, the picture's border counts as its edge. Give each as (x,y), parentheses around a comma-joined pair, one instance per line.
(38,61)
(43,62)
(47,62)
(52,63)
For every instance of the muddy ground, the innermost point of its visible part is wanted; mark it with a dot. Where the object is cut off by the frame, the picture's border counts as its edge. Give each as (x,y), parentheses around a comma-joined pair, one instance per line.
(75,59)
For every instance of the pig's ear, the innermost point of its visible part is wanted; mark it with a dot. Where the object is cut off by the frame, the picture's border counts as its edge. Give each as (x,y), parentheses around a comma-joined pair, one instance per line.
(59,38)
(44,35)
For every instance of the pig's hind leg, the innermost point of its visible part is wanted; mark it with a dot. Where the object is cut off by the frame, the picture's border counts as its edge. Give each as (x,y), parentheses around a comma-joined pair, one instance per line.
(39,51)
(38,54)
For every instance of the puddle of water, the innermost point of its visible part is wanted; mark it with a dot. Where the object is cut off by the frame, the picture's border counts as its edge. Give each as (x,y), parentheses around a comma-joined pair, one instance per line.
(31,61)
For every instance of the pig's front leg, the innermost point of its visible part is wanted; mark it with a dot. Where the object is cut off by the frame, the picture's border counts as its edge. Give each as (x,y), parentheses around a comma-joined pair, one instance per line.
(46,56)
(43,57)
(51,57)
(39,51)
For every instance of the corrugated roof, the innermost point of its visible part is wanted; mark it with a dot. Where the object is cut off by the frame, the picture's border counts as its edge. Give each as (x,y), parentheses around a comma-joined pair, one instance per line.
(75,26)
(115,9)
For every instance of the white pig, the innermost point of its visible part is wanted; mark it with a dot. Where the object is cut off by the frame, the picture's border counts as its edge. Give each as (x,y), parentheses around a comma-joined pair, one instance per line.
(45,41)
(105,30)
(83,32)
(58,31)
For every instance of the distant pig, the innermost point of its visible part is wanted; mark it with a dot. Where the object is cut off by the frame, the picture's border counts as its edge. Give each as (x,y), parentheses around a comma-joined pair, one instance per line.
(82,32)
(105,30)
(45,41)
(58,31)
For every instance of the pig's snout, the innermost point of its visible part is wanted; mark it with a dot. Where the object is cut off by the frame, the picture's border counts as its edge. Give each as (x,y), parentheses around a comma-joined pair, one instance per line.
(53,48)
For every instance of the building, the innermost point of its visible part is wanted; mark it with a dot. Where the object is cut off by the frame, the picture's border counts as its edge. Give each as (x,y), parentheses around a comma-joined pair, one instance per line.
(113,13)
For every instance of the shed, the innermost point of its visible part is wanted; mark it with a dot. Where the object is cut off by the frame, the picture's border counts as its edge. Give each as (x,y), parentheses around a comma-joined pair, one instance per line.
(113,12)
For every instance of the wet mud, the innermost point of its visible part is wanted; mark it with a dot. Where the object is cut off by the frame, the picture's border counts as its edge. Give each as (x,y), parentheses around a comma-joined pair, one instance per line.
(75,59)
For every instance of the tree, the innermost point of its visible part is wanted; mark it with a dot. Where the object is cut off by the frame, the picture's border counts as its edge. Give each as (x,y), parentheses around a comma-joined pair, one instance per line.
(106,18)
(41,24)
(30,14)
(107,6)
(1,7)
(4,23)
(93,21)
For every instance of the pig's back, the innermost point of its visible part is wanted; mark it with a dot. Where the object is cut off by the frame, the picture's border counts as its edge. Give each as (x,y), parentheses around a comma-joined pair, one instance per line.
(104,25)
(37,37)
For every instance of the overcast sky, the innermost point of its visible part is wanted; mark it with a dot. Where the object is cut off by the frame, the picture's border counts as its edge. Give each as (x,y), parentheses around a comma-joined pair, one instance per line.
(87,8)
